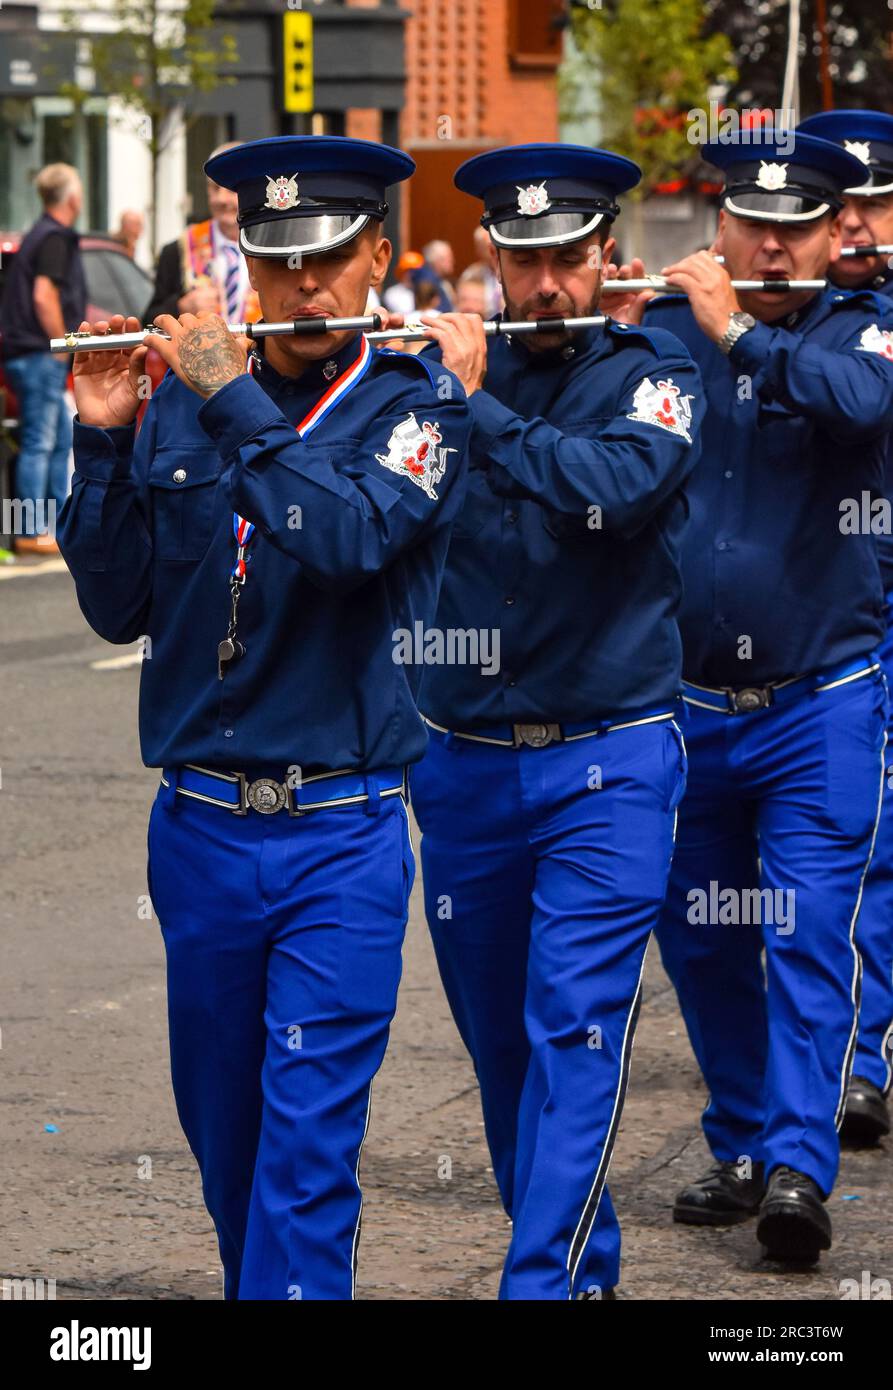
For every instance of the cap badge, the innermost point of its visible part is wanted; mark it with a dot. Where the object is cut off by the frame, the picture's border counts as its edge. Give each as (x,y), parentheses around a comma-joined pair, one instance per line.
(772,176)
(282,193)
(416,451)
(860,148)
(533,199)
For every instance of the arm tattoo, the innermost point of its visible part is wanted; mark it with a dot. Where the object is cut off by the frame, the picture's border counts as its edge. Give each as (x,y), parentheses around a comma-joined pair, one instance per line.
(210,357)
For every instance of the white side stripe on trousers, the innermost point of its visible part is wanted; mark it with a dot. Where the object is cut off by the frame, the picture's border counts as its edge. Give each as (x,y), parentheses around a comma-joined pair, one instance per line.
(856,987)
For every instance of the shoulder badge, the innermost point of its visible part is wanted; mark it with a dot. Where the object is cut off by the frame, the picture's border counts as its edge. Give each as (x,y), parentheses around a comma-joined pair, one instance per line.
(772,176)
(282,193)
(662,405)
(416,451)
(875,339)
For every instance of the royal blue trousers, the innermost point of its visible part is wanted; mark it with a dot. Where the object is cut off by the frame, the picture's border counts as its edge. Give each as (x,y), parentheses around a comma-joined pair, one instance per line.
(283,939)
(874,933)
(785,799)
(544,871)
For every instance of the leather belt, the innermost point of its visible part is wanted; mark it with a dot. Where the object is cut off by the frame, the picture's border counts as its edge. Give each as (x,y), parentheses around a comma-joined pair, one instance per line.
(542,735)
(747,699)
(236,792)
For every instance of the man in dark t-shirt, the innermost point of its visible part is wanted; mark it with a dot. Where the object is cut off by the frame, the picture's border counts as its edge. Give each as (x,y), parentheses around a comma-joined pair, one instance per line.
(45,296)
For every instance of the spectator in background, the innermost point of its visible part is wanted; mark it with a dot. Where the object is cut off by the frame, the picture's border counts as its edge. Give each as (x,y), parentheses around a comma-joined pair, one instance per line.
(130,229)
(204,270)
(427,292)
(400,298)
(439,256)
(44,297)
(472,292)
(485,266)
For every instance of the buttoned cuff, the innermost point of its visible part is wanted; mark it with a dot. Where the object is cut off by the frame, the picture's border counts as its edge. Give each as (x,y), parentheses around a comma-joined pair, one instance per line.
(237,412)
(103,454)
(752,348)
(491,419)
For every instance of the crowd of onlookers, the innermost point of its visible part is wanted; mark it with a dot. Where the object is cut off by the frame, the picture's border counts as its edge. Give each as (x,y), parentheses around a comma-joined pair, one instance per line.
(426,281)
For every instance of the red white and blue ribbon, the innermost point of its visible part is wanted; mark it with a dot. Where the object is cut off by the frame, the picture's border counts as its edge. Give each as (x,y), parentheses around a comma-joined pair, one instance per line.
(244,530)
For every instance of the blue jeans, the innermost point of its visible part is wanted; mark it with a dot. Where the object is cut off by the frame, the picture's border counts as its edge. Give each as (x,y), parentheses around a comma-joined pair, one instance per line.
(38,379)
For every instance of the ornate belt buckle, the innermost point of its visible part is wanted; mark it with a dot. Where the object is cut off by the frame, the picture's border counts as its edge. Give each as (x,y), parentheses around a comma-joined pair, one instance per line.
(536,735)
(266,796)
(751,698)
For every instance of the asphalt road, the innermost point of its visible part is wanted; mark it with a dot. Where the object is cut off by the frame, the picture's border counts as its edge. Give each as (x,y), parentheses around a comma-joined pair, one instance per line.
(99,1190)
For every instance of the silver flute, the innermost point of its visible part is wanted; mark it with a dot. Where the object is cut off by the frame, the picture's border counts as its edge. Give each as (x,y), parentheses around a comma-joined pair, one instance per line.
(370,325)
(315,327)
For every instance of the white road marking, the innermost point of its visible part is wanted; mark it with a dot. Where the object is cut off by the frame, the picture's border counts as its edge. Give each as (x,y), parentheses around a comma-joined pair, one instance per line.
(54,566)
(118,663)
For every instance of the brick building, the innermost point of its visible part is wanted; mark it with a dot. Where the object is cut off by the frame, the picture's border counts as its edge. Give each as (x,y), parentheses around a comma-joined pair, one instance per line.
(479,73)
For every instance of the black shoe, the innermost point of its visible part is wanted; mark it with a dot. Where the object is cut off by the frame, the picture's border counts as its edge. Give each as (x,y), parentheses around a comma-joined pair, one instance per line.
(721,1197)
(866,1118)
(793,1224)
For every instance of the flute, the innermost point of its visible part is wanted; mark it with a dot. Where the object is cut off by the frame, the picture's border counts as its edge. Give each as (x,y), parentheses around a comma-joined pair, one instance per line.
(312,327)
(867,251)
(371,324)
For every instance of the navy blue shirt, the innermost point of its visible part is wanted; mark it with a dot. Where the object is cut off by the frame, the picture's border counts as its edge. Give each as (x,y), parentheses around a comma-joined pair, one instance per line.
(796,426)
(353,528)
(567,544)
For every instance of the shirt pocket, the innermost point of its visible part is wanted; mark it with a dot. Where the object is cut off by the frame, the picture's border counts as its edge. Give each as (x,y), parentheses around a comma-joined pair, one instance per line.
(183,489)
(480,506)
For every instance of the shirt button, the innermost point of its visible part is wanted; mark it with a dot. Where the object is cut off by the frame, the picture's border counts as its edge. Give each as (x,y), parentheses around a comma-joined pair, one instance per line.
(511,517)
(722,545)
(509,601)
(180,475)
(228,733)
(728,473)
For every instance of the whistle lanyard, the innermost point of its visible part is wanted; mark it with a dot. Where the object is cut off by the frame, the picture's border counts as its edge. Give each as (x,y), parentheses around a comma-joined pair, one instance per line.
(244,530)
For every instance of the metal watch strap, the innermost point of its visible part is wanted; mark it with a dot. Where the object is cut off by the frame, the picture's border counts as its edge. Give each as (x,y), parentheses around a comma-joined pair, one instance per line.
(739,324)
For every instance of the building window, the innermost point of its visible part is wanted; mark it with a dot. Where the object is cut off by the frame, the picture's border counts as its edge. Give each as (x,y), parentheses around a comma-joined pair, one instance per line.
(535,33)
(48,130)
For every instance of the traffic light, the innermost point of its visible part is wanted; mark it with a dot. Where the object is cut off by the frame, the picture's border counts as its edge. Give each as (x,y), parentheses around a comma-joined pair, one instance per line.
(297,61)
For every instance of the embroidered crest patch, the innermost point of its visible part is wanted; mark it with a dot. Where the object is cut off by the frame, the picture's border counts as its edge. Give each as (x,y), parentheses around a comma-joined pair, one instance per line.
(880,340)
(416,450)
(282,193)
(772,176)
(533,199)
(662,405)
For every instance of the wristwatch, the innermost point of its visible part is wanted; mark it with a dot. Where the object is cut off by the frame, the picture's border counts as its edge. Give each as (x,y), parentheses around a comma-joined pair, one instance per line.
(739,324)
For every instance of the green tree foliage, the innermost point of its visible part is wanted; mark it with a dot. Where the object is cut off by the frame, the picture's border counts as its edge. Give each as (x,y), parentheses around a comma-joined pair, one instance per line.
(155,53)
(860,33)
(652,63)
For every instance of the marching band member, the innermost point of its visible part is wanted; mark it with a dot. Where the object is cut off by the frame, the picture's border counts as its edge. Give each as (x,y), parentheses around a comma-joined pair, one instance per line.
(867,220)
(547,797)
(267,530)
(781,618)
